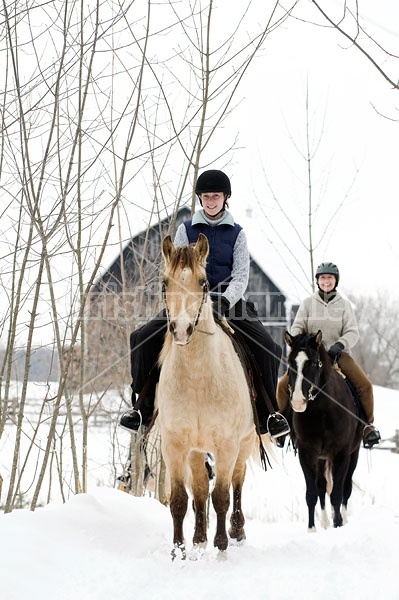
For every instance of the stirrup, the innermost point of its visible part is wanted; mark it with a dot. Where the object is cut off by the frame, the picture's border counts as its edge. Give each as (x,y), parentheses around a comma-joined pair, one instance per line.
(131,412)
(283,425)
(372,438)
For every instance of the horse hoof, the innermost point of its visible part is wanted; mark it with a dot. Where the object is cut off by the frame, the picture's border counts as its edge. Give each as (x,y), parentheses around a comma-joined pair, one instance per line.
(178,551)
(237,540)
(222,555)
(197,551)
(221,544)
(325,522)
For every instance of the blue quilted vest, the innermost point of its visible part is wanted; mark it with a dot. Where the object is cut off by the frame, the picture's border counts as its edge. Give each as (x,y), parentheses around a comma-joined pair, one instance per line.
(221,240)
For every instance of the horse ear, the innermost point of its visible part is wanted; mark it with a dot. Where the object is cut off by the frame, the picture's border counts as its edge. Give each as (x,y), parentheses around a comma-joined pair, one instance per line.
(202,248)
(167,248)
(288,338)
(315,340)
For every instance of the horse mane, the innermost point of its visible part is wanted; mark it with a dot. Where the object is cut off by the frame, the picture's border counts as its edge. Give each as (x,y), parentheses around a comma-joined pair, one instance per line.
(183,257)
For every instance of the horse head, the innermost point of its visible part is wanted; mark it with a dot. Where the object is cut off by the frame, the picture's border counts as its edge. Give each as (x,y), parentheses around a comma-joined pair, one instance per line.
(185,286)
(306,360)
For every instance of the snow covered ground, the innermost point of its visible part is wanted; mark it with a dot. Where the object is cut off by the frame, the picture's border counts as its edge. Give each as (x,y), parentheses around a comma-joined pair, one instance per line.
(107,545)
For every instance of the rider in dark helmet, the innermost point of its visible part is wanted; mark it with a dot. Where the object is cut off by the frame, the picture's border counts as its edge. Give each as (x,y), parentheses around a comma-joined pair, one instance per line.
(228,273)
(327,268)
(328,311)
(212,180)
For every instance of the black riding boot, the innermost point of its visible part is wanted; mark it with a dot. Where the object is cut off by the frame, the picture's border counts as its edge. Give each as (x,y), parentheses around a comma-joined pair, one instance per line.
(278,428)
(277,425)
(371,436)
(134,419)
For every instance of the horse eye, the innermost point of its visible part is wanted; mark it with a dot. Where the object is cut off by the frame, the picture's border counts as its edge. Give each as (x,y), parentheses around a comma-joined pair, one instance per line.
(202,282)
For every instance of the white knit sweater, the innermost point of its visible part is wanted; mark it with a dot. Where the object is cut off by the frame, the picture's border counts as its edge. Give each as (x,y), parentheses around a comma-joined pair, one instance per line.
(335,319)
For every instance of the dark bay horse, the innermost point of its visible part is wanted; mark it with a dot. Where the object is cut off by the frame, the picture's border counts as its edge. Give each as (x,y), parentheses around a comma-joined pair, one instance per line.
(326,430)
(204,403)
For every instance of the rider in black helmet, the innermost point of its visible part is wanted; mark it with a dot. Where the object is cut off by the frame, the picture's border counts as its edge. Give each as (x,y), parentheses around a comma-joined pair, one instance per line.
(227,272)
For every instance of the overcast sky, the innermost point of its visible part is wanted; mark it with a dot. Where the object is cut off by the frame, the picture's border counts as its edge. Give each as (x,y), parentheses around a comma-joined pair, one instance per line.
(354,166)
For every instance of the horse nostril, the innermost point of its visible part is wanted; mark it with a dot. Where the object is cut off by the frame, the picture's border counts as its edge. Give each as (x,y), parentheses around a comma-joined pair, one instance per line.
(190,330)
(172,327)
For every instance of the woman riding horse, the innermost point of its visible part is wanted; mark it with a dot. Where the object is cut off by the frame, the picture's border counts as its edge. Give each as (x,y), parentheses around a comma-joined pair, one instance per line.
(332,314)
(325,424)
(227,271)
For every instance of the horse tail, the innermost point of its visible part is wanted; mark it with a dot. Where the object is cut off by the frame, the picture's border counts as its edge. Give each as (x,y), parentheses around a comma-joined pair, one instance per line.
(328,476)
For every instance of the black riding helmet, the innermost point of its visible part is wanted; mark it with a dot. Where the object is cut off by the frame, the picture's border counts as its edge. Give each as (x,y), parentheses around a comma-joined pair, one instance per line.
(213,181)
(328,268)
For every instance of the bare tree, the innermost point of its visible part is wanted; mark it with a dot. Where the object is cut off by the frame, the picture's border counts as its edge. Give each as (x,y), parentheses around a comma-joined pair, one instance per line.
(350,20)
(378,353)
(108,111)
(305,232)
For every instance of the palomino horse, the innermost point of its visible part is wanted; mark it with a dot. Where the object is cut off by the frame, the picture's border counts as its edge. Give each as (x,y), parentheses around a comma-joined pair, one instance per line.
(326,429)
(203,400)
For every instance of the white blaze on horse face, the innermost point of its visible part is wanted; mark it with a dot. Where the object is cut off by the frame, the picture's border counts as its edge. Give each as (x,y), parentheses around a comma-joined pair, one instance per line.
(183,321)
(298,402)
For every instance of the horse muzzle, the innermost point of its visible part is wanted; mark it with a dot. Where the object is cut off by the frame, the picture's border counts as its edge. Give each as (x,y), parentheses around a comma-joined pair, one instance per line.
(182,333)
(298,404)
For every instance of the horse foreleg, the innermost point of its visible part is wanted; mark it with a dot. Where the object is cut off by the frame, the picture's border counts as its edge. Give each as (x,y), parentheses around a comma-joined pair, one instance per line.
(200,491)
(178,509)
(310,474)
(339,472)
(323,476)
(237,519)
(221,502)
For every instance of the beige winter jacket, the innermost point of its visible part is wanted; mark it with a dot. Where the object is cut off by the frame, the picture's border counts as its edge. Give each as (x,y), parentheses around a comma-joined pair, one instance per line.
(335,319)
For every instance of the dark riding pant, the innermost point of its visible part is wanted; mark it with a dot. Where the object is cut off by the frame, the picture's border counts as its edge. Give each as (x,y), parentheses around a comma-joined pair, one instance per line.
(146,344)
(267,353)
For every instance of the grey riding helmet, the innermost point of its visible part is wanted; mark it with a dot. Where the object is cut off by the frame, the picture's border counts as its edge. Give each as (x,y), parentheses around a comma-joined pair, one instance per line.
(327,268)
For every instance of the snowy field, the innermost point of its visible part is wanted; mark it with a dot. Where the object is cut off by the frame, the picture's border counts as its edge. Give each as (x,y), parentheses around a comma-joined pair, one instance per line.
(107,545)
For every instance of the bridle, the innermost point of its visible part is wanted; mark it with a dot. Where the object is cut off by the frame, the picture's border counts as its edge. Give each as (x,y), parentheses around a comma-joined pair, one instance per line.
(204,283)
(314,390)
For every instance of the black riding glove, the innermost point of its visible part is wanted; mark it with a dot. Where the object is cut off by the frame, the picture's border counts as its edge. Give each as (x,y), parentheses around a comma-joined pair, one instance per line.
(220,306)
(335,351)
